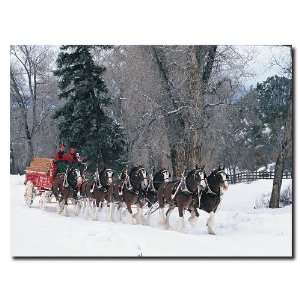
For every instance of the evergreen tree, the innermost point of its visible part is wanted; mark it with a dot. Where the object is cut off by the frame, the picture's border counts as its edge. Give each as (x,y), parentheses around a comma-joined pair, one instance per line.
(83,121)
(273,97)
(270,109)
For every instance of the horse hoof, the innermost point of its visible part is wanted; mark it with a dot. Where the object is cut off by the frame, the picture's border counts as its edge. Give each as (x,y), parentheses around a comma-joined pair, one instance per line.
(211,231)
(168,227)
(193,221)
(162,222)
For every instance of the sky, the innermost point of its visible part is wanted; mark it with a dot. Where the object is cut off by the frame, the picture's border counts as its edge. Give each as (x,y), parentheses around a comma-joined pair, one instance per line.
(261,66)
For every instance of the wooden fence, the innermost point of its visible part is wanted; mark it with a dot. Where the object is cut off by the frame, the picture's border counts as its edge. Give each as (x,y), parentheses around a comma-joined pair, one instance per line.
(256,175)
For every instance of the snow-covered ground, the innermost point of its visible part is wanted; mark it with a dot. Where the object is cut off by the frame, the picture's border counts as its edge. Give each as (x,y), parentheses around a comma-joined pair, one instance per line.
(241,230)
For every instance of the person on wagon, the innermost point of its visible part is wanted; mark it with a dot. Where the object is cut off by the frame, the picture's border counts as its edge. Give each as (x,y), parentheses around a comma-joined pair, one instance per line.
(60,154)
(71,155)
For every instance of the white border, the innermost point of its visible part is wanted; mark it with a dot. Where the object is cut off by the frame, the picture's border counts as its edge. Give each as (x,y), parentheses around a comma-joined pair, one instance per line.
(139,22)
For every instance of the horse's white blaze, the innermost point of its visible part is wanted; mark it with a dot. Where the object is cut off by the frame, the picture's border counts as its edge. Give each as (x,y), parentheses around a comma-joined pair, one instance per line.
(109,176)
(211,223)
(203,181)
(144,173)
(166,175)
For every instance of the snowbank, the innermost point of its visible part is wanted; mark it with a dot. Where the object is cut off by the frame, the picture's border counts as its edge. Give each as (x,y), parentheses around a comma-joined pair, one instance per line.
(241,230)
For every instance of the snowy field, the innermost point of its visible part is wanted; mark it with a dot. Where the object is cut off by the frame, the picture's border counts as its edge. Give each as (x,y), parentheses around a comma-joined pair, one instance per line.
(241,230)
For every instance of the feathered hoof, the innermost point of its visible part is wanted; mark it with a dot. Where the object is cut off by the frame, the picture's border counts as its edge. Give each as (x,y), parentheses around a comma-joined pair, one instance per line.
(210,231)
(193,220)
(167,226)
(163,222)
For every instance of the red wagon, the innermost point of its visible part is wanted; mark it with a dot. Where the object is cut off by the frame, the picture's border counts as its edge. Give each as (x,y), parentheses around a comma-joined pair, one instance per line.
(39,180)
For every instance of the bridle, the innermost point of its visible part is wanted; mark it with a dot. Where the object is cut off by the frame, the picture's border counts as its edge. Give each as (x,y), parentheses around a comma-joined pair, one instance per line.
(224,180)
(66,183)
(223,172)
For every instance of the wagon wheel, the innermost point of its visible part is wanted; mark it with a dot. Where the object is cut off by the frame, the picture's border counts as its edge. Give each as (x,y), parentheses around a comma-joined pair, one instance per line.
(29,193)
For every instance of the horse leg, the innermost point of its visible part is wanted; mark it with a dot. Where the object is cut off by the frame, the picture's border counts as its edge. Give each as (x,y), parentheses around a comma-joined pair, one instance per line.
(111,211)
(60,206)
(194,217)
(107,208)
(162,215)
(60,202)
(83,206)
(88,207)
(66,212)
(43,200)
(181,226)
(122,210)
(210,223)
(139,215)
(77,207)
(96,205)
(115,211)
(167,218)
(130,219)
(148,220)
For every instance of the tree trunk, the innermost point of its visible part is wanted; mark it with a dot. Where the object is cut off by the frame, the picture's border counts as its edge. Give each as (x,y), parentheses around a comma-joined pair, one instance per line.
(29,152)
(184,72)
(285,147)
(13,169)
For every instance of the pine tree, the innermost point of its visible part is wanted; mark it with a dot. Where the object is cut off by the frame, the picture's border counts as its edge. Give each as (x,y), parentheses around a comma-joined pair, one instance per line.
(83,121)
(271,112)
(273,101)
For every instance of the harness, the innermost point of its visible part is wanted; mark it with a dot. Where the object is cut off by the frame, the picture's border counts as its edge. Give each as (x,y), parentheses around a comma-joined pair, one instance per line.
(65,182)
(97,182)
(182,180)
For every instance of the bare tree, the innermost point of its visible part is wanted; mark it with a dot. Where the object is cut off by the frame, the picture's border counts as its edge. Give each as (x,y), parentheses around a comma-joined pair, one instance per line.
(184,73)
(286,144)
(29,75)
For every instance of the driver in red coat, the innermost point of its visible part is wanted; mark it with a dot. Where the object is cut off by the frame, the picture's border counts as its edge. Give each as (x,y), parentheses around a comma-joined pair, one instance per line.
(71,155)
(60,154)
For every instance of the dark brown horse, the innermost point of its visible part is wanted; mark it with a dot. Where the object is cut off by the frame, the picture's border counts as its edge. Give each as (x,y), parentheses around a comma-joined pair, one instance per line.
(217,183)
(129,190)
(182,194)
(97,192)
(150,193)
(65,186)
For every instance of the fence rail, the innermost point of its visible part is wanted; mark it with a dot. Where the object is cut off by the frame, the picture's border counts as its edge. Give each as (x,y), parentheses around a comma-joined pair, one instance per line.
(256,175)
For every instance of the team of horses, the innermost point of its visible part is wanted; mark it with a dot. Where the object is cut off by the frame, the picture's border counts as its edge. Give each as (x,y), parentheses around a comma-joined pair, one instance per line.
(118,194)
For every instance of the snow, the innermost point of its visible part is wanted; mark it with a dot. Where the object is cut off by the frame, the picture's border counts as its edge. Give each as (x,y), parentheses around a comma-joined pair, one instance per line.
(270,167)
(241,230)
(266,131)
